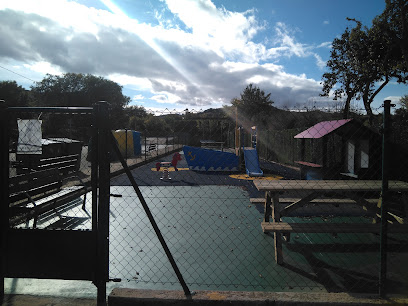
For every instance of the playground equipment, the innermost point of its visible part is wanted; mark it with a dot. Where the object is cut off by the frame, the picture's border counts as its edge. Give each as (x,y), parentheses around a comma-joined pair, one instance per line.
(165,173)
(128,142)
(250,155)
(202,159)
(252,162)
(166,165)
(210,160)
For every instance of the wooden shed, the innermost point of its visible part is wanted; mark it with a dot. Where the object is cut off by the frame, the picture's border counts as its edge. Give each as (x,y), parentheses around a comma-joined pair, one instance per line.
(340,149)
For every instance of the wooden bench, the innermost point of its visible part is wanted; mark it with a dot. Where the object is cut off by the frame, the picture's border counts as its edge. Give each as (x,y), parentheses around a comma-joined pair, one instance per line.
(65,164)
(35,193)
(283,227)
(152,147)
(314,201)
(314,191)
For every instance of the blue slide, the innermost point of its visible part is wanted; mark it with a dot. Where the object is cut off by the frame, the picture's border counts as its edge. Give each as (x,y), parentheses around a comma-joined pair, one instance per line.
(252,162)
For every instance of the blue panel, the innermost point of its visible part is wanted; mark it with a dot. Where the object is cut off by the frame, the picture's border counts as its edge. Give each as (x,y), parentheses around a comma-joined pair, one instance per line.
(137,146)
(252,162)
(210,160)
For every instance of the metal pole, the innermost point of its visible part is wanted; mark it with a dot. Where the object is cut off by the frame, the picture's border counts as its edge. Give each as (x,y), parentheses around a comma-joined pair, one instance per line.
(94,169)
(103,203)
(4,197)
(145,146)
(384,198)
(126,153)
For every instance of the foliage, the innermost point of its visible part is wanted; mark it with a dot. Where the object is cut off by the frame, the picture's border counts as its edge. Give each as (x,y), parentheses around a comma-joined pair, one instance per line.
(135,117)
(77,89)
(251,106)
(373,64)
(400,123)
(393,24)
(14,95)
(404,102)
(364,60)
(341,73)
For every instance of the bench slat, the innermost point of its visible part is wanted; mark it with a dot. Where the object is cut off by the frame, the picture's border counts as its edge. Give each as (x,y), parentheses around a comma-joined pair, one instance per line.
(283,227)
(65,162)
(20,199)
(26,182)
(314,201)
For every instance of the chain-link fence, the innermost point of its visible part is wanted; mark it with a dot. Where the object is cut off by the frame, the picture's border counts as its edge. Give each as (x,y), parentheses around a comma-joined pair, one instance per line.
(294,205)
(50,170)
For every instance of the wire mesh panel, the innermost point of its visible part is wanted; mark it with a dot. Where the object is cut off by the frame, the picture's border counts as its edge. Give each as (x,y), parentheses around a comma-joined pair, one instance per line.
(206,199)
(218,190)
(49,213)
(49,170)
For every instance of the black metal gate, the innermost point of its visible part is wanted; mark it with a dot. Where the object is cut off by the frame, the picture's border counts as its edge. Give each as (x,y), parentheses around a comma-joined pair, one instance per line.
(53,253)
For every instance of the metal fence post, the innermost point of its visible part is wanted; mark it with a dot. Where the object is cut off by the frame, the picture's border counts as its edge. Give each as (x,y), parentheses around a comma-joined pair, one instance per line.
(4,197)
(126,145)
(145,141)
(103,203)
(384,198)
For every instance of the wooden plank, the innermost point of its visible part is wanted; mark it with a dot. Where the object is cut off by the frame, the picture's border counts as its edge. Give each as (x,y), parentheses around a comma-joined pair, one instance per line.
(25,182)
(278,236)
(21,198)
(327,185)
(298,204)
(48,205)
(314,201)
(267,207)
(307,164)
(65,163)
(283,227)
(61,158)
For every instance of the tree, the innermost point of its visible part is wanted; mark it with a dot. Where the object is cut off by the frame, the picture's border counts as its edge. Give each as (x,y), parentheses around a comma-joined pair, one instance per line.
(136,116)
(403,103)
(341,73)
(362,63)
(13,94)
(252,105)
(156,126)
(77,89)
(393,23)
(372,63)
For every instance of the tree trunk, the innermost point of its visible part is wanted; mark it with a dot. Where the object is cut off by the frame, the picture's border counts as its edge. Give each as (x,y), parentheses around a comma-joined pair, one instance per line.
(367,106)
(346,111)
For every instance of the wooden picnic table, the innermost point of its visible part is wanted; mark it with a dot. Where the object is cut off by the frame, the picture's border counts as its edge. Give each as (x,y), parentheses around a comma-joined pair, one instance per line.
(355,190)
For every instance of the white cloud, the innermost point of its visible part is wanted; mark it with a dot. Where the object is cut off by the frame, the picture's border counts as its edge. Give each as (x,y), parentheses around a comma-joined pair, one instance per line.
(44,67)
(205,66)
(138,97)
(130,81)
(165,98)
(394,99)
(320,63)
(326,44)
(326,22)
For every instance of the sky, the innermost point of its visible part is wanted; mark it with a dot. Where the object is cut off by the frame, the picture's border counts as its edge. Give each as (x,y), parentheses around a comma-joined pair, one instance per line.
(183,54)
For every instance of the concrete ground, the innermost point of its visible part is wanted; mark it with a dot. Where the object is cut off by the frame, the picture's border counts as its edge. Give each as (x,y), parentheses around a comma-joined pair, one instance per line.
(127,297)
(305,261)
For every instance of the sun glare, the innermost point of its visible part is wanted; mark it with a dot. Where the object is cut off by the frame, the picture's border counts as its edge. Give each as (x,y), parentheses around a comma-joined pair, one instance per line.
(158,49)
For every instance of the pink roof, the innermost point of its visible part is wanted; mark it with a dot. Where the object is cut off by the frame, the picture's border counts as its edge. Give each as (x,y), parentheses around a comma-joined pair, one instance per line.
(322,128)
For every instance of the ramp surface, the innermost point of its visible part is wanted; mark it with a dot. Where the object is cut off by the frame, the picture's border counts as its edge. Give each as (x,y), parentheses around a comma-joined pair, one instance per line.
(252,162)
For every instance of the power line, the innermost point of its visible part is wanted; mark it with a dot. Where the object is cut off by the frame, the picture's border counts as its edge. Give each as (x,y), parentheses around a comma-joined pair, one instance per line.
(17,74)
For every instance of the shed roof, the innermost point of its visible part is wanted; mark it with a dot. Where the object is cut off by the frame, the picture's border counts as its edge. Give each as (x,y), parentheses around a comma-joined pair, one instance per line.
(322,128)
